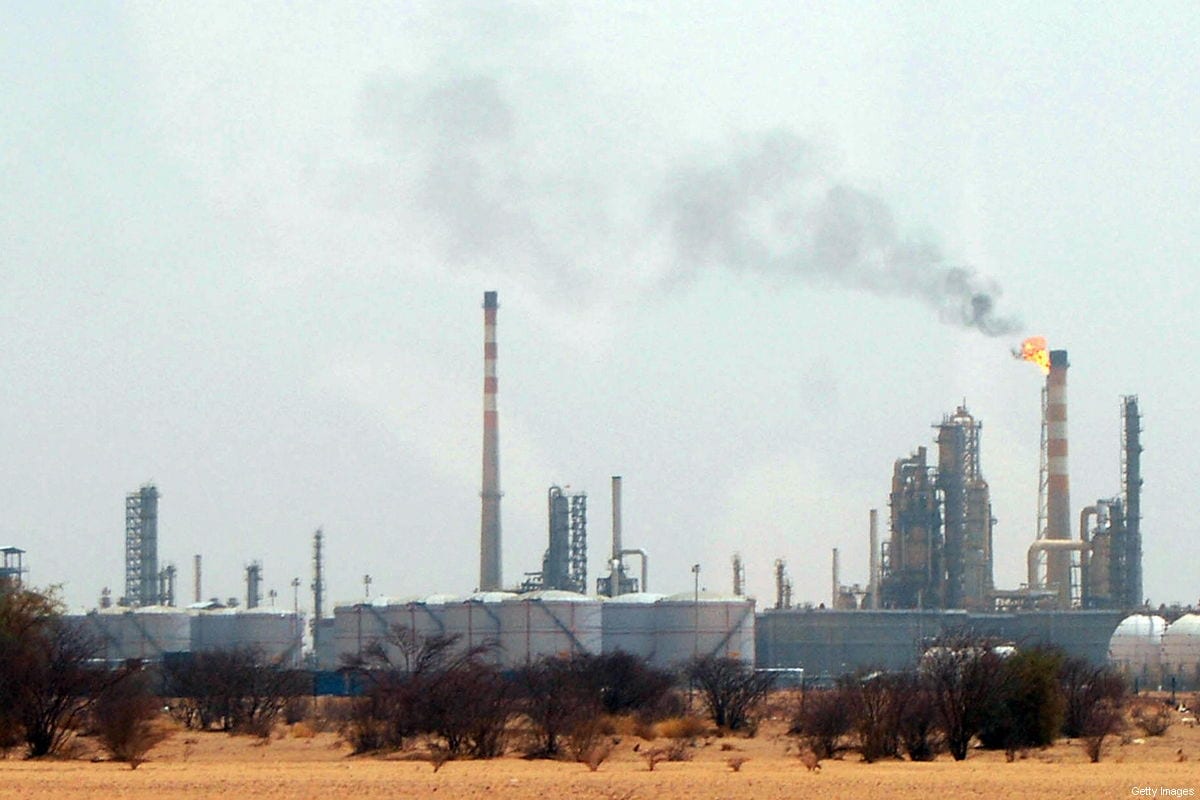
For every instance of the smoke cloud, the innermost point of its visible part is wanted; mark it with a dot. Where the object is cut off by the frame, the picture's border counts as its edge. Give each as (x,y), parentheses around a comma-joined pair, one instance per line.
(465,166)
(775,209)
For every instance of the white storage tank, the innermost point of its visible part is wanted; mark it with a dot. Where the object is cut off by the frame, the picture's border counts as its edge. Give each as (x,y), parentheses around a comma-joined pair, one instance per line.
(357,625)
(548,623)
(1135,648)
(476,620)
(1181,650)
(214,629)
(709,625)
(162,629)
(276,635)
(630,624)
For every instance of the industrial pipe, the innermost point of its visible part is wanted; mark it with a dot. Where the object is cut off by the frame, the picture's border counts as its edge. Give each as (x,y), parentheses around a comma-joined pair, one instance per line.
(1085,512)
(637,551)
(1052,546)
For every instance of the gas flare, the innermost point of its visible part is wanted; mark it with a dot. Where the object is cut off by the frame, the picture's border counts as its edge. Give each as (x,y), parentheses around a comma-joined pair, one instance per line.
(1034,349)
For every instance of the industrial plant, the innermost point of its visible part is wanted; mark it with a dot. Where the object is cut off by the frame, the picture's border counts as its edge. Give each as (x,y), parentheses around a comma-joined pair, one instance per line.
(929,573)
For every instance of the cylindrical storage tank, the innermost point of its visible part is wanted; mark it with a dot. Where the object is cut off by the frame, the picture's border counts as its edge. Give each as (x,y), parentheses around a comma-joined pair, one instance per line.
(158,630)
(710,625)
(1135,649)
(476,621)
(358,625)
(549,623)
(275,635)
(1181,651)
(214,629)
(629,624)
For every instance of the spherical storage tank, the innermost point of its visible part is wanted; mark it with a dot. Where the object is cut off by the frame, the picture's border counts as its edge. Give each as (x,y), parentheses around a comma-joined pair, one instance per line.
(1135,648)
(708,625)
(1181,649)
(548,623)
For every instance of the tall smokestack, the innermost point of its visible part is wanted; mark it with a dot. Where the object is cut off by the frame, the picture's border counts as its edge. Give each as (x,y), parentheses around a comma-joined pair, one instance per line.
(873,580)
(1058,487)
(196,569)
(616,519)
(836,577)
(489,534)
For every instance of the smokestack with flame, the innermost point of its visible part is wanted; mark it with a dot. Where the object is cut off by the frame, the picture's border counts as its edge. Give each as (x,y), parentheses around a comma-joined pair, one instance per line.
(489,537)
(1058,485)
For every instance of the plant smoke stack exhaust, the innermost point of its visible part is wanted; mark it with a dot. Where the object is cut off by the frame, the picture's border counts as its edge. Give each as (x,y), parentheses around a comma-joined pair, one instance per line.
(489,534)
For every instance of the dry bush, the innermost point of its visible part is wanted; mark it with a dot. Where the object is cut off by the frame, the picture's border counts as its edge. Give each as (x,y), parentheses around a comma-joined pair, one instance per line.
(127,716)
(679,750)
(302,730)
(654,756)
(596,755)
(822,722)
(1153,717)
(1103,718)
(685,727)
(810,761)
(736,762)
(731,689)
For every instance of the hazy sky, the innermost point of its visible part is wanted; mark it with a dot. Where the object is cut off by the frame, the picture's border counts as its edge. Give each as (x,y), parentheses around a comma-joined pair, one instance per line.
(746,254)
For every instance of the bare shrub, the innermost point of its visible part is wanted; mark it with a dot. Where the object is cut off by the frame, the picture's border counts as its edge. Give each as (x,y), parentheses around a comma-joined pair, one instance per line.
(1153,718)
(735,763)
(966,678)
(234,690)
(557,699)
(596,755)
(731,689)
(47,685)
(874,705)
(654,756)
(810,761)
(127,715)
(822,722)
(679,750)
(1102,719)
(918,729)
(1083,686)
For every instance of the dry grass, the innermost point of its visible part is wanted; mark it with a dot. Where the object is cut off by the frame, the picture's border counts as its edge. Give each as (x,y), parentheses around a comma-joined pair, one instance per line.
(214,765)
(681,727)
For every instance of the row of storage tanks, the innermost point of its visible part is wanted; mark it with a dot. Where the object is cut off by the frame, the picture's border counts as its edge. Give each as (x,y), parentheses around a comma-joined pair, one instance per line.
(664,629)
(1146,648)
(150,632)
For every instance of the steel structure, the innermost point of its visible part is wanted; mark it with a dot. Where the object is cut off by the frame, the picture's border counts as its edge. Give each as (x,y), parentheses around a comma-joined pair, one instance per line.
(166,585)
(564,565)
(141,547)
(617,582)
(318,587)
(966,512)
(253,584)
(913,561)
(783,586)
(1129,592)
(489,534)
(739,576)
(11,568)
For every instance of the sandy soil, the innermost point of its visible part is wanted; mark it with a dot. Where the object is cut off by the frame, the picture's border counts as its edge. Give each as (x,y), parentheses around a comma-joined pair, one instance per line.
(214,765)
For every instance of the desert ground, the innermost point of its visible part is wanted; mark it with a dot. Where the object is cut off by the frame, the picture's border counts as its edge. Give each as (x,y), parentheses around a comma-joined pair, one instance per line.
(296,763)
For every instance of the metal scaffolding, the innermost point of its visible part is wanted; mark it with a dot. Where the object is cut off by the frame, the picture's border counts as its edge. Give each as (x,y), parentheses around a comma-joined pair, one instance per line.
(141,547)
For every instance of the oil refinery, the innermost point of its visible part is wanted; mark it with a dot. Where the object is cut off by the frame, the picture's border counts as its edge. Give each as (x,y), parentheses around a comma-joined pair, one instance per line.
(930,572)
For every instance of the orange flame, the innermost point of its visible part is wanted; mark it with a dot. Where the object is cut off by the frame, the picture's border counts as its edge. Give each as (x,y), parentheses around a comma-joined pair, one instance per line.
(1034,349)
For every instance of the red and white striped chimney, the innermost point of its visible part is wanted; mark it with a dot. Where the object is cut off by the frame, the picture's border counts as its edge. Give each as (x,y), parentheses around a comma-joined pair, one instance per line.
(489,536)
(1058,485)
